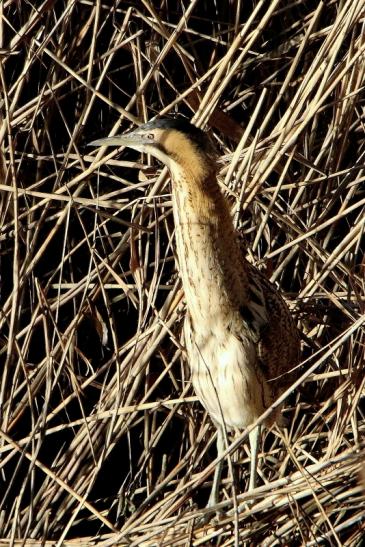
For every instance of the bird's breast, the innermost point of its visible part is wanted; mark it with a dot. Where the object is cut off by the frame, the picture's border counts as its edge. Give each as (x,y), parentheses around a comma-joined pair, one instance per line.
(225,375)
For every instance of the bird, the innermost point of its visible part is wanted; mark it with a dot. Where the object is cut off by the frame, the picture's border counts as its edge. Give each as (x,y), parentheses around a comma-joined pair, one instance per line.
(242,343)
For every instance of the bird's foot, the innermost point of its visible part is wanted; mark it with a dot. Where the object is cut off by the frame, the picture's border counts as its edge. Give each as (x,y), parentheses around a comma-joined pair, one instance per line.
(213,498)
(209,515)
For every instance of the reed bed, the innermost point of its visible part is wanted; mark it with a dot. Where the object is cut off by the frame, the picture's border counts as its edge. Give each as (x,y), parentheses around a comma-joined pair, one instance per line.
(103,441)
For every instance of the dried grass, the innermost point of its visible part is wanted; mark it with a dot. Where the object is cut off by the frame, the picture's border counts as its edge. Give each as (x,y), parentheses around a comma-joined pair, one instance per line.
(102,439)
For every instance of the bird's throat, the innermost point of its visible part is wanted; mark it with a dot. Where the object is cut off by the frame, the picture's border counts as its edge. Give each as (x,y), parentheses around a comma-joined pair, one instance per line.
(210,259)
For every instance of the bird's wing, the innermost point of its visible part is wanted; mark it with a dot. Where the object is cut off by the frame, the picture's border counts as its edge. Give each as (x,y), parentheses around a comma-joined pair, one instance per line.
(254,313)
(278,345)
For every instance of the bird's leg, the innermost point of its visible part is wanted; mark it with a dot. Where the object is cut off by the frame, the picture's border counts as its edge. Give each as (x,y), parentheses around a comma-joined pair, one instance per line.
(254,437)
(214,493)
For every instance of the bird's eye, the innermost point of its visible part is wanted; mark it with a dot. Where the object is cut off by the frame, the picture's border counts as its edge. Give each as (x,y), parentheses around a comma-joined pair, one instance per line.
(150,136)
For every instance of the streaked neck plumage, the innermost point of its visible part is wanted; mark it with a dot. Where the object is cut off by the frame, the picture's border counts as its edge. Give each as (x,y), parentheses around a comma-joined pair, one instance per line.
(210,259)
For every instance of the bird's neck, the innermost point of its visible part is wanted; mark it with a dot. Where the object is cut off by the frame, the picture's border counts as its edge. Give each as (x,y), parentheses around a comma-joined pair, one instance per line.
(210,258)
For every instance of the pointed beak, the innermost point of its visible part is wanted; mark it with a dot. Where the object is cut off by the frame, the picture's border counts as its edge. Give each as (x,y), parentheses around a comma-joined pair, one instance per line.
(117,140)
(134,139)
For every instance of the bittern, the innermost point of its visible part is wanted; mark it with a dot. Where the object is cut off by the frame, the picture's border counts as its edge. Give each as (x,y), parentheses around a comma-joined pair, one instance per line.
(240,337)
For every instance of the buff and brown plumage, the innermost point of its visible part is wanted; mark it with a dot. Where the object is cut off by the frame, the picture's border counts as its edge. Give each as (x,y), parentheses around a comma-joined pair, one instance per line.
(241,341)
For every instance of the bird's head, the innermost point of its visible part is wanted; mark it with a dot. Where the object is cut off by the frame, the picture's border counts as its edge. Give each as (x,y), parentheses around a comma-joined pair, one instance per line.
(175,142)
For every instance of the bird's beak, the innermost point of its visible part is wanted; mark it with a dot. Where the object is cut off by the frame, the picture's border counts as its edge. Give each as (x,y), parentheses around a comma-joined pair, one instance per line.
(143,139)
(135,139)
